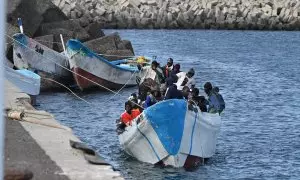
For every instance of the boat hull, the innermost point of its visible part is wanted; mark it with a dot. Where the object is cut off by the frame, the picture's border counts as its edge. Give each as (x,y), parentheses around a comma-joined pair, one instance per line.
(25,80)
(155,138)
(31,55)
(90,70)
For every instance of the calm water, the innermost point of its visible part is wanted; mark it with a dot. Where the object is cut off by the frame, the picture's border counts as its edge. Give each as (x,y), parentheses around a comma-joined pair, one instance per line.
(259,77)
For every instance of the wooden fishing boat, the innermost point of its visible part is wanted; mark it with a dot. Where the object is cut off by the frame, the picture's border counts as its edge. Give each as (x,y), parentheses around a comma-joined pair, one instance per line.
(49,64)
(25,80)
(169,133)
(89,68)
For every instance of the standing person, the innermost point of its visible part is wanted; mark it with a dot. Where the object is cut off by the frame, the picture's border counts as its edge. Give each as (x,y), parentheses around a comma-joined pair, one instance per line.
(153,72)
(215,104)
(186,79)
(167,69)
(176,69)
(216,90)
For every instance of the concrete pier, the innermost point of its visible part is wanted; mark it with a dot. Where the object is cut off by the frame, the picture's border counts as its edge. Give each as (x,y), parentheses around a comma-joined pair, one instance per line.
(44,150)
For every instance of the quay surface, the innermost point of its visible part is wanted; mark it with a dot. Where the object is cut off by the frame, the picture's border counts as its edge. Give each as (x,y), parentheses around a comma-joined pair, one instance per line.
(43,150)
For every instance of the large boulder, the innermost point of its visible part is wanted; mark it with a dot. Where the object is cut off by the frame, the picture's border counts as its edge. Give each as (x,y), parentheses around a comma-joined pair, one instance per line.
(69,25)
(125,45)
(33,13)
(67,34)
(46,40)
(101,45)
(95,31)
(118,54)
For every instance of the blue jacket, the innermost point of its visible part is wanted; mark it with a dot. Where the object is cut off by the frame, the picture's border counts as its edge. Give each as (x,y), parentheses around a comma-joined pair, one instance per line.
(150,100)
(216,102)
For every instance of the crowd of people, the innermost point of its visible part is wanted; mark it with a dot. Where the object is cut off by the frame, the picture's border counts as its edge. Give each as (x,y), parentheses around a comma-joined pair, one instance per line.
(168,82)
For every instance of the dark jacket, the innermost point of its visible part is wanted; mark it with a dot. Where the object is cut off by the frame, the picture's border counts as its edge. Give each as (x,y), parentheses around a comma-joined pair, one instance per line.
(173,93)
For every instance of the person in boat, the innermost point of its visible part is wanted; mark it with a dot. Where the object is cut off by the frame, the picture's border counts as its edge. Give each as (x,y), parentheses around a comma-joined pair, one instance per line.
(172,91)
(167,69)
(133,99)
(197,100)
(129,114)
(216,103)
(176,69)
(186,92)
(216,90)
(151,98)
(186,79)
(153,72)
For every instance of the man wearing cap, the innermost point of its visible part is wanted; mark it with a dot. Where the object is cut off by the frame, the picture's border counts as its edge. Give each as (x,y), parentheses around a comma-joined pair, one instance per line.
(186,79)
(167,69)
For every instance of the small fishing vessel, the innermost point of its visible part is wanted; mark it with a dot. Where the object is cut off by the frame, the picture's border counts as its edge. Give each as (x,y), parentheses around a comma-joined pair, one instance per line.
(170,133)
(25,80)
(89,68)
(49,64)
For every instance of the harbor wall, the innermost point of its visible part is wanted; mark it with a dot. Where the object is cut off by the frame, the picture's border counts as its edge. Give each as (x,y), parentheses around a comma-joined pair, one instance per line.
(186,14)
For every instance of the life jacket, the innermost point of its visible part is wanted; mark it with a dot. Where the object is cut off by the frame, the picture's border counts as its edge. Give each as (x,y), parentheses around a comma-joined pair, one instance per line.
(126,118)
(135,113)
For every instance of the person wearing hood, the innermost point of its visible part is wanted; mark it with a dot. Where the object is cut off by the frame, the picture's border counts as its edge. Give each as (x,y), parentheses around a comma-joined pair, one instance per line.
(167,69)
(186,79)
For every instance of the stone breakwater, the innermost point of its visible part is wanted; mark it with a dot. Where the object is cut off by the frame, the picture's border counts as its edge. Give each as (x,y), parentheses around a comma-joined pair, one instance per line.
(199,14)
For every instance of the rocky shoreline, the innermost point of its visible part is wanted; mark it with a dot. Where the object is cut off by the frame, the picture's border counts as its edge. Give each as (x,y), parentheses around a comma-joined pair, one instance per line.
(186,14)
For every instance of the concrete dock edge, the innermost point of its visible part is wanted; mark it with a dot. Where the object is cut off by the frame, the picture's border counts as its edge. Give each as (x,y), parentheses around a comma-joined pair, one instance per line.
(55,141)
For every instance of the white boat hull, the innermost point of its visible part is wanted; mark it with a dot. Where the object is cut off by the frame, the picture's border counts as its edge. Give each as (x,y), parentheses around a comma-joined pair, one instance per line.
(155,140)
(88,67)
(31,55)
(25,80)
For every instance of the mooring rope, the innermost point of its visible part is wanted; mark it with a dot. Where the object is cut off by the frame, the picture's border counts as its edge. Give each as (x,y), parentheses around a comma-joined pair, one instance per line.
(67,89)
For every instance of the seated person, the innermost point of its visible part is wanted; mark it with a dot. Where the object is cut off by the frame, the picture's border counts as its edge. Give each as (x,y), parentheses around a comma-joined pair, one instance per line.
(151,99)
(129,114)
(136,109)
(172,92)
(186,92)
(197,100)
